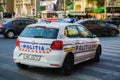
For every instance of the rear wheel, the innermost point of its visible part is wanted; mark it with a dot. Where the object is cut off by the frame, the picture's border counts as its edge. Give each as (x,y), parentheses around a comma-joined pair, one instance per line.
(68,64)
(113,33)
(22,66)
(10,34)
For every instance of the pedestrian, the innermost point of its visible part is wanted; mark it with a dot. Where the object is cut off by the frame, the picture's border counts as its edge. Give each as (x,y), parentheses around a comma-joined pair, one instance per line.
(13,14)
(1,16)
(41,20)
(76,18)
(81,18)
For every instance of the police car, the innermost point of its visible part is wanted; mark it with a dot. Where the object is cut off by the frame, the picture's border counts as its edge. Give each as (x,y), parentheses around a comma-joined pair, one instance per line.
(55,45)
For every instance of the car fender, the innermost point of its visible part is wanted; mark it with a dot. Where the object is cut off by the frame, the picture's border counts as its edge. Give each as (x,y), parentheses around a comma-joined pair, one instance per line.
(66,55)
(8,29)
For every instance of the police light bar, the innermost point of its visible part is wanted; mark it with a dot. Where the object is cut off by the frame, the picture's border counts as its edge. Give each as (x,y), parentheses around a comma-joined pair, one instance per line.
(51,19)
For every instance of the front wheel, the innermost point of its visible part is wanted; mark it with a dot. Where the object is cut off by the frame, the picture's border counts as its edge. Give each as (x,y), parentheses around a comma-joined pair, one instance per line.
(10,34)
(97,55)
(68,64)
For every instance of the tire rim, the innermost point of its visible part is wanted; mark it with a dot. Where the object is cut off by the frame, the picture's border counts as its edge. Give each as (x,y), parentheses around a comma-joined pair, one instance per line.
(113,33)
(10,34)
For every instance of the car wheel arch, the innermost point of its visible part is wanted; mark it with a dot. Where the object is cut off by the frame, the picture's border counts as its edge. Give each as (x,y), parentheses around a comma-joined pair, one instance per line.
(69,53)
(98,53)
(113,33)
(10,30)
(68,63)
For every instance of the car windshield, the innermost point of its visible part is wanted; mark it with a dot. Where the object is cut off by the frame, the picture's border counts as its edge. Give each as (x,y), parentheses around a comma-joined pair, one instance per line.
(49,33)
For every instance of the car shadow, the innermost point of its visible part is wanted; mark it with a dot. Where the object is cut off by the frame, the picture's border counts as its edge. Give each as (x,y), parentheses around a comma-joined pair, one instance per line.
(2,37)
(54,72)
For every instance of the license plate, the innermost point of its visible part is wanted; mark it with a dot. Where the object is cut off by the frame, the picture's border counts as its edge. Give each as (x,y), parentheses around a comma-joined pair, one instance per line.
(32,57)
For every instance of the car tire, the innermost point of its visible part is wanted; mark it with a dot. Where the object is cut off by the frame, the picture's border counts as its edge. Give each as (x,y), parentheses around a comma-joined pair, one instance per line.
(22,66)
(10,34)
(97,55)
(113,33)
(68,64)
(118,26)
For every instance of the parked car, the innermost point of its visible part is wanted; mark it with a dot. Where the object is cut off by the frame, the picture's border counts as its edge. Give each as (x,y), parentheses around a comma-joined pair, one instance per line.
(14,27)
(113,20)
(99,27)
(56,45)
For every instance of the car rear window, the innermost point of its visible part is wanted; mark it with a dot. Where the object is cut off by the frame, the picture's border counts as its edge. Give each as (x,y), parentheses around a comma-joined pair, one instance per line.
(49,33)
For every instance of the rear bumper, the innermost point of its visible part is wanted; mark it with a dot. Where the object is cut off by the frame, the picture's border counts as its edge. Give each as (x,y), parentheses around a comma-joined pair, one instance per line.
(39,64)
(52,60)
(1,31)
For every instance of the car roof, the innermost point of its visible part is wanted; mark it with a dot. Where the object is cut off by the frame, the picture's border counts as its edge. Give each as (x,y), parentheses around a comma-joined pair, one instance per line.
(51,25)
(90,19)
(84,20)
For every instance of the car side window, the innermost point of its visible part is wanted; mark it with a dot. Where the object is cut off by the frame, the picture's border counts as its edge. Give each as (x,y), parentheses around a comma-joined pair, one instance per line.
(90,23)
(87,23)
(20,22)
(26,22)
(83,31)
(15,22)
(71,31)
(101,23)
(29,22)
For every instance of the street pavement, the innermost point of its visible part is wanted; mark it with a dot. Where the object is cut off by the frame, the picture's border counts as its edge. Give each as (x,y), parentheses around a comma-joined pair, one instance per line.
(107,69)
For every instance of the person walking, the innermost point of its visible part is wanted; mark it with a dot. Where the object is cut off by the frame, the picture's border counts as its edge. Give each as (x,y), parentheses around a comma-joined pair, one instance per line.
(41,20)
(1,16)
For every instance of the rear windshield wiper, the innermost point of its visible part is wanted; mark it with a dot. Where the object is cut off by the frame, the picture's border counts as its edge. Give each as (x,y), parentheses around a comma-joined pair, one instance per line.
(39,36)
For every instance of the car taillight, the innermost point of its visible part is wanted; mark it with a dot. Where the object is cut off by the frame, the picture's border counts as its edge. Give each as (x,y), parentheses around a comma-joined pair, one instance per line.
(57,45)
(1,26)
(17,42)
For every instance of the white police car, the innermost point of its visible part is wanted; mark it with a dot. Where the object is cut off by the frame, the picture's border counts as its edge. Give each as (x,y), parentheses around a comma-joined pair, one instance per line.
(55,45)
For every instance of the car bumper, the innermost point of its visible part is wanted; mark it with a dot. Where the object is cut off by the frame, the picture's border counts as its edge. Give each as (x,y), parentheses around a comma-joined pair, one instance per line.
(1,31)
(52,60)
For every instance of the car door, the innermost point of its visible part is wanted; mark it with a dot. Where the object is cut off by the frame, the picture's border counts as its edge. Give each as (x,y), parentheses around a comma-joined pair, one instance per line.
(96,27)
(102,27)
(74,42)
(91,26)
(19,25)
(27,22)
(88,46)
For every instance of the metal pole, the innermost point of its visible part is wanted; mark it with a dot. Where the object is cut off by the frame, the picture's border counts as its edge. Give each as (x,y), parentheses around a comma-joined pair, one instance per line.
(105,7)
(65,7)
(4,4)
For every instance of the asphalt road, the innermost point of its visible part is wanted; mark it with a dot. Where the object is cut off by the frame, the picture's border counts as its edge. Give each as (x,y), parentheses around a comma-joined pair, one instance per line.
(107,69)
